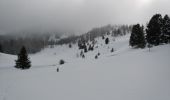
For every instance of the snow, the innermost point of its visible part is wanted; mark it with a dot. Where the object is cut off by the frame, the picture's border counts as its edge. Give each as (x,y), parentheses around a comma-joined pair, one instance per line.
(6,60)
(126,74)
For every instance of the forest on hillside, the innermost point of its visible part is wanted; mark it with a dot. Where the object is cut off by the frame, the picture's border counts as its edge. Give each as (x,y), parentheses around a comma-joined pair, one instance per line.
(12,43)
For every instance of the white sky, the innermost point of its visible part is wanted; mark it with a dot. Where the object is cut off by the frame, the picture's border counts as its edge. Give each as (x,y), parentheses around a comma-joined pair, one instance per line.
(75,15)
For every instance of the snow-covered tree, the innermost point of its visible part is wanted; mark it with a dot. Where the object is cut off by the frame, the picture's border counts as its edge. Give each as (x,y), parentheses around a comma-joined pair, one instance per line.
(1,48)
(103,37)
(112,50)
(96,57)
(85,48)
(70,45)
(107,41)
(61,62)
(23,61)
(91,47)
(137,38)
(154,30)
(165,36)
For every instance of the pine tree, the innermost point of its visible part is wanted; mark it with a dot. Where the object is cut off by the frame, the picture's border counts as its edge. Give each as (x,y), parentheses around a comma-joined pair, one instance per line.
(85,49)
(91,48)
(142,42)
(112,50)
(154,30)
(61,62)
(137,38)
(103,37)
(1,48)
(133,39)
(165,36)
(83,56)
(107,41)
(70,46)
(96,57)
(23,61)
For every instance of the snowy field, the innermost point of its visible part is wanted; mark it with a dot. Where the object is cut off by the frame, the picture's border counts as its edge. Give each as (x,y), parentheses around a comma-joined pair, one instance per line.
(126,74)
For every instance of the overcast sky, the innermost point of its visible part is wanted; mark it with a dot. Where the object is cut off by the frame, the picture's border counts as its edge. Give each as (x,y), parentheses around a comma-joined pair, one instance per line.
(75,15)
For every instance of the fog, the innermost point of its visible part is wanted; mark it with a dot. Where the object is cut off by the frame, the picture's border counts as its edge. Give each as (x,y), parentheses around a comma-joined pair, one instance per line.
(76,16)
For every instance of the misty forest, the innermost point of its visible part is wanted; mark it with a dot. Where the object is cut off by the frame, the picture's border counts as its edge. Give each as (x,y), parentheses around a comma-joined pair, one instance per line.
(84,50)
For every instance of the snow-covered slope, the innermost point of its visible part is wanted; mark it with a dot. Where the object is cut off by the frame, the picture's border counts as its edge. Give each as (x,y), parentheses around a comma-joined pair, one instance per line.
(7,61)
(126,74)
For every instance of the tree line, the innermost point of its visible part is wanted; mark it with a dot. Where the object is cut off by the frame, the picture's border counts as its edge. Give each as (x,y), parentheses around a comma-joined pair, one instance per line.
(157,32)
(11,43)
(114,30)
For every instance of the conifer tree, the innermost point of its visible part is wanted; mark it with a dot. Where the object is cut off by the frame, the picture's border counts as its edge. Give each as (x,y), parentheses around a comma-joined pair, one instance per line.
(70,46)
(23,61)
(165,36)
(96,57)
(142,41)
(1,48)
(61,62)
(107,41)
(137,38)
(154,30)
(112,50)
(85,48)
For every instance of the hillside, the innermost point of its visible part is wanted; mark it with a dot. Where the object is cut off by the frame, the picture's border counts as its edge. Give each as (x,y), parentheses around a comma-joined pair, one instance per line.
(125,74)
